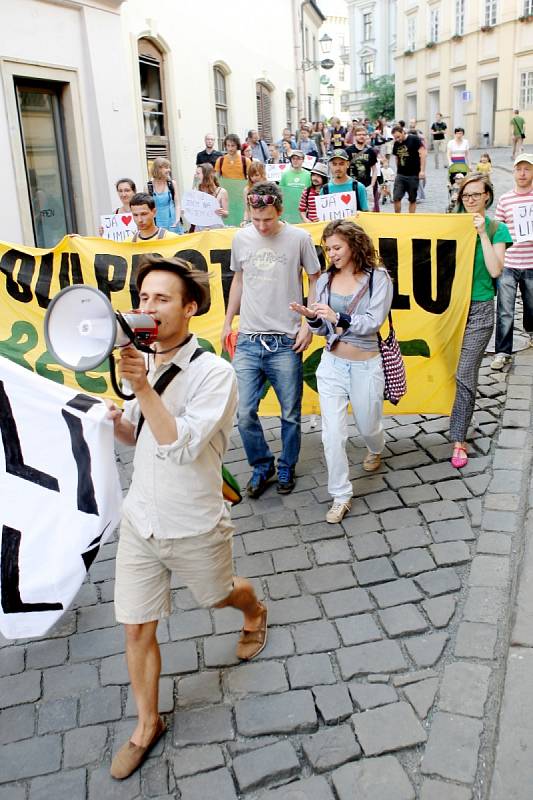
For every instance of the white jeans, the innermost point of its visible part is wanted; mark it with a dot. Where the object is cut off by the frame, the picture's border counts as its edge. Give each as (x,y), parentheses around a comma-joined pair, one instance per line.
(339,382)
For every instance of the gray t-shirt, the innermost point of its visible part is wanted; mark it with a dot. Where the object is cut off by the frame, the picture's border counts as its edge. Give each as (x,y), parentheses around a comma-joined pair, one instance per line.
(272,277)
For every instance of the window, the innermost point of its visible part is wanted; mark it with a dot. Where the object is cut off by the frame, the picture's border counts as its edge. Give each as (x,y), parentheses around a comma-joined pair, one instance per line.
(411,32)
(221,106)
(491,7)
(367,70)
(526,90)
(460,17)
(314,50)
(151,70)
(367,27)
(288,110)
(341,74)
(264,111)
(46,161)
(306,43)
(528,8)
(434,15)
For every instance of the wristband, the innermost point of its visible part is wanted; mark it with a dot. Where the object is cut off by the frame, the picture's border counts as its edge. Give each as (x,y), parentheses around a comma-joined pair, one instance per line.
(315,322)
(343,321)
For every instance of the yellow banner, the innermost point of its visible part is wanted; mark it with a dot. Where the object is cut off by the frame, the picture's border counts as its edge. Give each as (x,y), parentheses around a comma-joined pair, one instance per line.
(429,256)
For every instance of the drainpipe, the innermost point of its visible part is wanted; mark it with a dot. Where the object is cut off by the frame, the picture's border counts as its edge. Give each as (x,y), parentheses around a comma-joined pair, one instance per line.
(299,54)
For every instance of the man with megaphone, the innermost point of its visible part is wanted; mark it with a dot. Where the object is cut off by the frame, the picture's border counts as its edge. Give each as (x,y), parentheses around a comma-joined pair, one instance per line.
(174,516)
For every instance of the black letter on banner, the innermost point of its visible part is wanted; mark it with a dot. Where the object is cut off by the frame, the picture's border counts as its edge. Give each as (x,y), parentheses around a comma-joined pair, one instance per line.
(70,271)
(422,269)
(21,288)
(42,287)
(223,257)
(102,270)
(82,457)
(92,549)
(10,577)
(14,460)
(388,250)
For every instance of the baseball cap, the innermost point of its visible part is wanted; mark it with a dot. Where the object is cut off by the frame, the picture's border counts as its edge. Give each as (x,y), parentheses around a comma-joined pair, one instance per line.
(339,153)
(298,153)
(320,169)
(524,157)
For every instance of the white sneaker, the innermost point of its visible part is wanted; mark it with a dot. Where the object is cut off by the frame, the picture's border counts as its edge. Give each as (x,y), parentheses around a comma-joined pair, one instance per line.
(500,360)
(530,339)
(338,511)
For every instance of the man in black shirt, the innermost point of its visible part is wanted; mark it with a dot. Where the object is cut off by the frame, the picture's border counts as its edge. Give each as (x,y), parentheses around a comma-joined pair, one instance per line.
(438,129)
(209,155)
(410,167)
(363,159)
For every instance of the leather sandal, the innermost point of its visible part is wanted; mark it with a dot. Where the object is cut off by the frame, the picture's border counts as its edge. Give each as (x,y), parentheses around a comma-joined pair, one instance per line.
(131,756)
(251,643)
(459,458)
(371,462)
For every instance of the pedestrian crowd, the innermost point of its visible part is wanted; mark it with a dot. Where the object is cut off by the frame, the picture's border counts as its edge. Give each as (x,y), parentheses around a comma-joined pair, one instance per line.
(174,517)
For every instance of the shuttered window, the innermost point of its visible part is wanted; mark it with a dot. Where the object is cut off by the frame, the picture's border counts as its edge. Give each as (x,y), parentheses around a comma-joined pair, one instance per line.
(264,112)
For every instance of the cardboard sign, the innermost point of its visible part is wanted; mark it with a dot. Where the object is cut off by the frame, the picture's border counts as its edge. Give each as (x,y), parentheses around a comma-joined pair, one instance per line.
(309,162)
(523,222)
(118,227)
(61,496)
(275,171)
(336,206)
(200,207)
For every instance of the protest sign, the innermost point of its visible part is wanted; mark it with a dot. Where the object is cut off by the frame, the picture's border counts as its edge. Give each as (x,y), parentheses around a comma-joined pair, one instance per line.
(118,227)
(429,257)
(61,496)
(523,221)
(200,207)
(275,171)
(309,162)
(335,206)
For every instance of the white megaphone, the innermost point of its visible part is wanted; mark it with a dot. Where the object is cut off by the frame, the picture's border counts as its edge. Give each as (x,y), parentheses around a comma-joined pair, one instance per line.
(81,329)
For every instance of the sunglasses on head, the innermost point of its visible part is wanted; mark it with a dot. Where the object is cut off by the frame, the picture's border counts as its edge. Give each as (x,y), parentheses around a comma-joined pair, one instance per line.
(260,200)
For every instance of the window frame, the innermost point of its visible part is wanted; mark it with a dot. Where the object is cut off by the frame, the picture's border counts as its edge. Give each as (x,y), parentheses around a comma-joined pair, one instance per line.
(434,24)
(411,29)
(154,144)
(459,17)
(368,26)
(526,90)
(220,76)
(490,13)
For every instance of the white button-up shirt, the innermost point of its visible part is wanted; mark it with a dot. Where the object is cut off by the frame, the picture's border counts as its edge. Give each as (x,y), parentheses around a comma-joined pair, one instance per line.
(176,489)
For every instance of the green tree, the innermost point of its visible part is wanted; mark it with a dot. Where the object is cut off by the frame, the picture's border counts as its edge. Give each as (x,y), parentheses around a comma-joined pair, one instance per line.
(381,97)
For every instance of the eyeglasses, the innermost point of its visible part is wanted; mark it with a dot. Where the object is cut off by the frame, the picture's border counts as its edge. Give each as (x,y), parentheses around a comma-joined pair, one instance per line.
(261,200)
(473,196)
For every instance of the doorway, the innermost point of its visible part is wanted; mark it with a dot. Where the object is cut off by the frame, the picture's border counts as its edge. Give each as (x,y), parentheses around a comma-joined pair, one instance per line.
(487,111)
(46,161)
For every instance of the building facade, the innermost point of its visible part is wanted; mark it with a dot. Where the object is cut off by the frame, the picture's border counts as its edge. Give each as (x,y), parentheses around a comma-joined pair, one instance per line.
(373,47)
(472,61)
(94,90)
(335,83)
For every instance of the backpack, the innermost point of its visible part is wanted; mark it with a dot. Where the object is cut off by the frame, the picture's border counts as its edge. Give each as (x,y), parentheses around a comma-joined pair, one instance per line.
(170,186)
(325,190)
(244,167)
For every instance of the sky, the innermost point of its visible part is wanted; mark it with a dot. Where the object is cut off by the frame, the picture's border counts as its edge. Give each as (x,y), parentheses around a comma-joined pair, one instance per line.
(331,8)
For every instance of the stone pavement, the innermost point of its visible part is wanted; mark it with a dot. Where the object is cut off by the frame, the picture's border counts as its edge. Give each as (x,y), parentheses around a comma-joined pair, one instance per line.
(388,651)
(385,662)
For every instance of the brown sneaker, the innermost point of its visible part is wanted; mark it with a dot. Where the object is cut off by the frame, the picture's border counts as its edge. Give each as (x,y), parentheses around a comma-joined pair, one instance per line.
(252,642)
(131,756)
(371,462)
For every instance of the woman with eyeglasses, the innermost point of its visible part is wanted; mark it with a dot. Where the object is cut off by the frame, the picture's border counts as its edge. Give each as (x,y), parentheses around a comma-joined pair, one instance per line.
(475,196)
(353,299)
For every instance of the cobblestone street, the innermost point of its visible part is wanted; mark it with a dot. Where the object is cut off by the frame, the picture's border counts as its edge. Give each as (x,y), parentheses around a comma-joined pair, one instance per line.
(384,670)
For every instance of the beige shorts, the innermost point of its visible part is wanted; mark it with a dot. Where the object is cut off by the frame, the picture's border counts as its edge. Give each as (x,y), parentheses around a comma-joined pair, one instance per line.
(144,567)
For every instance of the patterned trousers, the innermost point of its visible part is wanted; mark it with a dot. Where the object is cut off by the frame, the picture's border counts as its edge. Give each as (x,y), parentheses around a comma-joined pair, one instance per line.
(476,337)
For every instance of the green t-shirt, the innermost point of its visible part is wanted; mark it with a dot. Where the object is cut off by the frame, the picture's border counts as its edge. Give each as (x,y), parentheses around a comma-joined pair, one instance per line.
(292,185)
(482,283)
(518,124)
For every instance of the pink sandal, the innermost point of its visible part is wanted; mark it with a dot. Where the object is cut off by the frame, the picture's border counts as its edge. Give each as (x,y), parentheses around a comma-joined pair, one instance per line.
(459,458)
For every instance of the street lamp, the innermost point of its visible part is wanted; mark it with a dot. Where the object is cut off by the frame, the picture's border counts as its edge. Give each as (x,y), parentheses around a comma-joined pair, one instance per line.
(327,63)
(325,43)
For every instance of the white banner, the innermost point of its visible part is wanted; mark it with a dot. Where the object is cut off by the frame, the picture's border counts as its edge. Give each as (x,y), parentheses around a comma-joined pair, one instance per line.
(523,222)
(275,171)
(336,206)
(118,227)
(309,162)
(200,207)
(61,496)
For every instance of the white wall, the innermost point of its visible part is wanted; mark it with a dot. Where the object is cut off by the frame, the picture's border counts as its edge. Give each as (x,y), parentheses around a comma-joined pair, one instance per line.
(196,38)
(85,42)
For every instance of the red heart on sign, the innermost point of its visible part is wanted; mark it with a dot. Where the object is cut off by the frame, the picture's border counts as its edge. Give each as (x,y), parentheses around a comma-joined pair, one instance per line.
(282,166)
(346,198)
(126,220)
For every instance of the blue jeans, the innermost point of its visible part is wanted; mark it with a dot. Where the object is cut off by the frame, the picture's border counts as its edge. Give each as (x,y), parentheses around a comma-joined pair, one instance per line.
(255,364)
(508,282)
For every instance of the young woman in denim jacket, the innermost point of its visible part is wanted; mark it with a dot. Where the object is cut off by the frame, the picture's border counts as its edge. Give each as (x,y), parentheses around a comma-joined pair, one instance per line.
(353,299)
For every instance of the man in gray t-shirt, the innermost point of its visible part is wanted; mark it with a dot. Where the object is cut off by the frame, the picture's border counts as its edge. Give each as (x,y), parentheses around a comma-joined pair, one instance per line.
(267,258)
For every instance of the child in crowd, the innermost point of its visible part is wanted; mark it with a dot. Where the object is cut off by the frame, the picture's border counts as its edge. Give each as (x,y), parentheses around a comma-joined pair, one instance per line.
(388,179)
(485,165)
(256,174)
